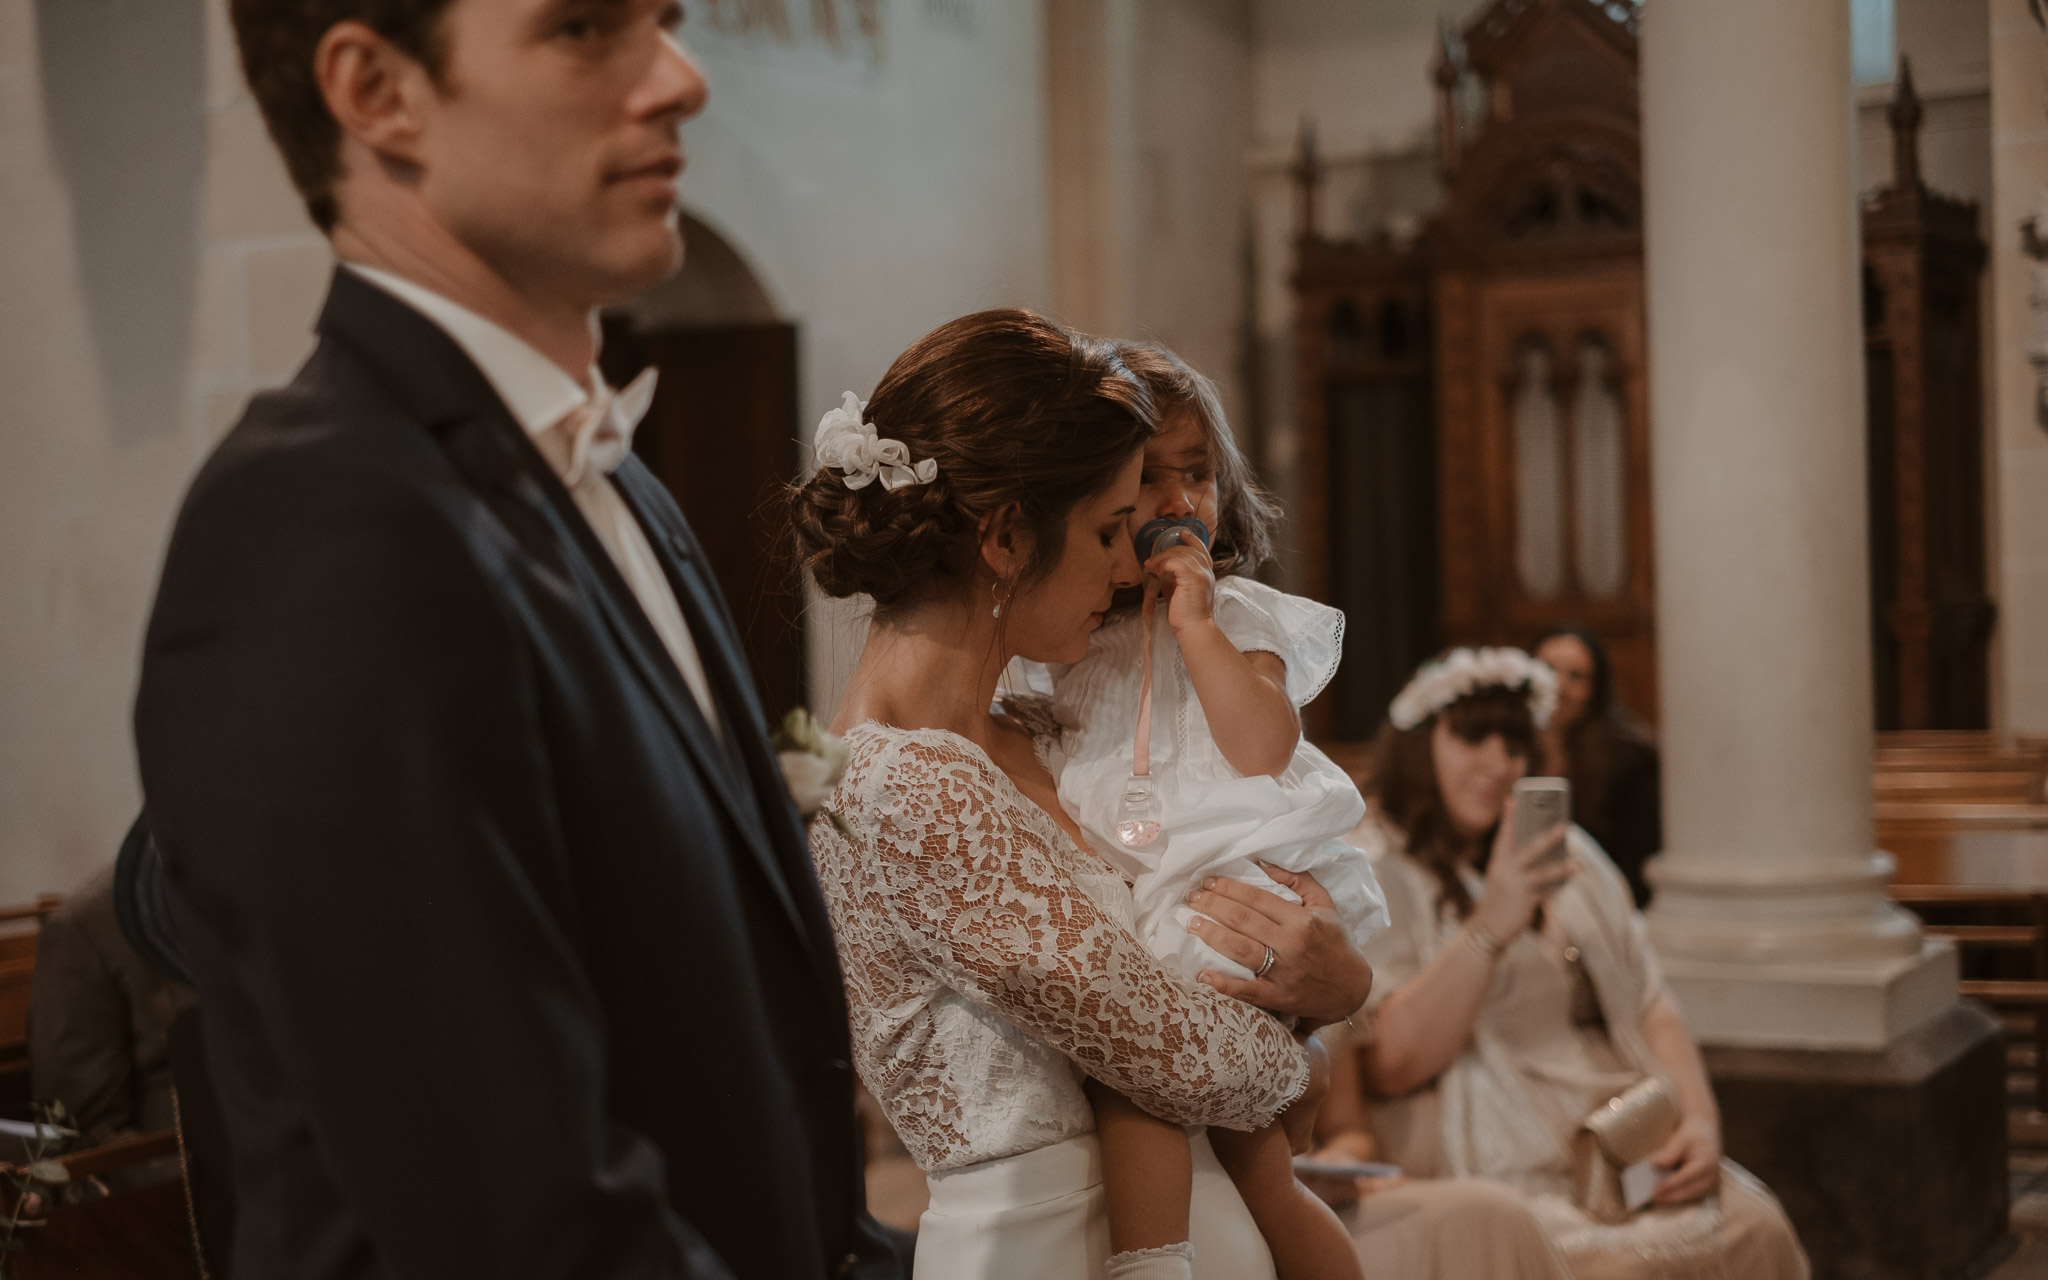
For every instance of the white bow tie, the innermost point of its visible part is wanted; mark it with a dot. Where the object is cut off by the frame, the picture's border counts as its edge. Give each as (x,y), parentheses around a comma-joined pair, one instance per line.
(601,432)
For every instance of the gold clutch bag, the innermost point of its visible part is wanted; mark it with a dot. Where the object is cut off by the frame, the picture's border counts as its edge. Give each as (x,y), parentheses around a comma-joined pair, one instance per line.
(1627,1129)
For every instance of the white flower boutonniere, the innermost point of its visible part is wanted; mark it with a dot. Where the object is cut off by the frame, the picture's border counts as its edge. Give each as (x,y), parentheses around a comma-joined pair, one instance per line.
(812,762)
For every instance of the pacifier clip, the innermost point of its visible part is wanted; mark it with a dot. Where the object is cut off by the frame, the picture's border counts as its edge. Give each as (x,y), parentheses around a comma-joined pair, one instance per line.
(1137,816)
(1138,824)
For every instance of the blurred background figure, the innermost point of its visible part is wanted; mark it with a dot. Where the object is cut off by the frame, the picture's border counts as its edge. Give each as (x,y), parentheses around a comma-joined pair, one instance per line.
(100,1019)
(1609,754)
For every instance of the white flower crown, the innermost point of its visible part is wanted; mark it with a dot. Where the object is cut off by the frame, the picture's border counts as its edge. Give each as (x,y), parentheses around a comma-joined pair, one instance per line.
(1462,672)
(850,445)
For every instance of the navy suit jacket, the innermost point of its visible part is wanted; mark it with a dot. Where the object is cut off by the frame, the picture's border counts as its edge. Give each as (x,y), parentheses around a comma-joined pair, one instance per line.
(510,964)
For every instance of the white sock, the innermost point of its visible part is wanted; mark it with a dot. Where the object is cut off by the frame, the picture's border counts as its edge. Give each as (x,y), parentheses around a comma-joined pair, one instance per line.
(1168,1262)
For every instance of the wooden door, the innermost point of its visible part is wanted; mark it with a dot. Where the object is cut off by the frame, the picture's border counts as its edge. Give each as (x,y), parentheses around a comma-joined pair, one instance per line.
(1545,465)
(1382,543)
(722,435)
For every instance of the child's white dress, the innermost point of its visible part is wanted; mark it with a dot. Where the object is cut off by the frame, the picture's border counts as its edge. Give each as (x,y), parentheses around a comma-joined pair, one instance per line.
(1217,821)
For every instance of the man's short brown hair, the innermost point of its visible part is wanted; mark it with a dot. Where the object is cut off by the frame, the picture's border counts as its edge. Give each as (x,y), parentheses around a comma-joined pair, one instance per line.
(277,40)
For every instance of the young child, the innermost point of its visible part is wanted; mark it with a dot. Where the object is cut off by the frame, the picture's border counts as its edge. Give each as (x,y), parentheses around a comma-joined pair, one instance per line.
(1233,662)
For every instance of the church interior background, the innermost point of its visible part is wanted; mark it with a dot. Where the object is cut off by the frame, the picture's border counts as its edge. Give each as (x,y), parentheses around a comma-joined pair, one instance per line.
(1408,238)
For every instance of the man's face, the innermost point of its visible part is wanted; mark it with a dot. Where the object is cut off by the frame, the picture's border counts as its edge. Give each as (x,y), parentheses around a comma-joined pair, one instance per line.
(552,148)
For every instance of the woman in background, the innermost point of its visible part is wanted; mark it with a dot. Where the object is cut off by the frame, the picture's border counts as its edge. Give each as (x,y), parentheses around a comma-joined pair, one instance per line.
(1609,755)
(1516,992)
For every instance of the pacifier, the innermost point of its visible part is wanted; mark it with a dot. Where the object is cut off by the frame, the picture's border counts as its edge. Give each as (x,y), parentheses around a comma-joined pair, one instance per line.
(1156,535)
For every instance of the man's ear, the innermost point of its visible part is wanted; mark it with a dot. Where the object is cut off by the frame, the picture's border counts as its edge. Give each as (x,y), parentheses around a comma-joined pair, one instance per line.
(375,91)
(1005,542)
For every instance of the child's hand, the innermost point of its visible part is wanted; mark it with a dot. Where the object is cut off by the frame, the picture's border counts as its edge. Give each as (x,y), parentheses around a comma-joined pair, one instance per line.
(1188,577)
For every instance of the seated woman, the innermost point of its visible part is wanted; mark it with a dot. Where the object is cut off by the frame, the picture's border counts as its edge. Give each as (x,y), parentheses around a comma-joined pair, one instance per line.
(1609,755)
(1515,995)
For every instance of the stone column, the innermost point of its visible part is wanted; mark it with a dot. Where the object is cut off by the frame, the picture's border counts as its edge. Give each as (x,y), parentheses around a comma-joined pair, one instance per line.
(1092,51)
(2017,445)
(1770,912)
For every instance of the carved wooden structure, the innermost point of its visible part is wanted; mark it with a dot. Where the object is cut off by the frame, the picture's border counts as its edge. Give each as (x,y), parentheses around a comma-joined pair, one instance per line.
(1931,617)
(1475,406)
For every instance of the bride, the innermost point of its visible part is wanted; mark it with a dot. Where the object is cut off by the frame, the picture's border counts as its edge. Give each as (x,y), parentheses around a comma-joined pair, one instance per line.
(988,958)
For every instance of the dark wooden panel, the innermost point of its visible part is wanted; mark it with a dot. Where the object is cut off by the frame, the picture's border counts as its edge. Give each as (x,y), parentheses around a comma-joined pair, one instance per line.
(134,1235)
(722,436)
(1539,238)
(1382,481)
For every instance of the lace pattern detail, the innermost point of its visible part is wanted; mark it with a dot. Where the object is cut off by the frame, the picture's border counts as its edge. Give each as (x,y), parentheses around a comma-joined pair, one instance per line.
(989,962)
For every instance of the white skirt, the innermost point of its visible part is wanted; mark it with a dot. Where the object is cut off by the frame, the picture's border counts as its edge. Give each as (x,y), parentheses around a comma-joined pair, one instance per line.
(1041,1216)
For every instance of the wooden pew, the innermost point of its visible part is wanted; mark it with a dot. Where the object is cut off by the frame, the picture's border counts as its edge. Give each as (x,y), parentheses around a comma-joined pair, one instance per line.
(17,972)
(2003,869)
(1955,780)
(141,1233)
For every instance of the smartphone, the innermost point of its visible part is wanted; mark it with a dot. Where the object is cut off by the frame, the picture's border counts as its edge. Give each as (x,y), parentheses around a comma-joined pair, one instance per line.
(1541,804)
(1345,1168)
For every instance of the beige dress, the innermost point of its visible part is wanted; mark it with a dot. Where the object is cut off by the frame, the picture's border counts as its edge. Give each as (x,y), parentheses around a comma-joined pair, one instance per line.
(1451,1229)
(1560,1033)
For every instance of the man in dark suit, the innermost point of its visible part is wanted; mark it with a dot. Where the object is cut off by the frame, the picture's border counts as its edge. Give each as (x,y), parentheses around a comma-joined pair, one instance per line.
(507,946)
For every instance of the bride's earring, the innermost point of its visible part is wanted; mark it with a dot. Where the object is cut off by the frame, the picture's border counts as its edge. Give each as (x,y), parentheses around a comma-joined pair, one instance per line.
(1002,598)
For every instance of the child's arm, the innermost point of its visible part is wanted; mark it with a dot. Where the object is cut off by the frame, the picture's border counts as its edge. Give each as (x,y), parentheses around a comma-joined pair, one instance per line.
(1306,1238)
(1148,1175)
(1244,695)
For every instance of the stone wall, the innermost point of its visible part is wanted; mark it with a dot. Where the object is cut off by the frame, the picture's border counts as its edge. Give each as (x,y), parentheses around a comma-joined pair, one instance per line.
(156,269)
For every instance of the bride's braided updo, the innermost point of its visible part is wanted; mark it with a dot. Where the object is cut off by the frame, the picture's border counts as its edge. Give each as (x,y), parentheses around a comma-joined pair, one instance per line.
(1017,412)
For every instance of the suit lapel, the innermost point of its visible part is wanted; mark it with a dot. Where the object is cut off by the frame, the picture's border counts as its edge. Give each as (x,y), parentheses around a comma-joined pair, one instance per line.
(731,679)
(454,400)
(601,578)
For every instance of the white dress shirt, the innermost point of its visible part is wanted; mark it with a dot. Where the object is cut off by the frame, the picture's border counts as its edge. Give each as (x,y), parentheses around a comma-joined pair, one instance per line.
(544,401)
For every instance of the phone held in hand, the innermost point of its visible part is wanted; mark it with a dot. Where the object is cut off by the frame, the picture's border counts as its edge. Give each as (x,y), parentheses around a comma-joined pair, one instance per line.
(1540,805)
(1345,1168)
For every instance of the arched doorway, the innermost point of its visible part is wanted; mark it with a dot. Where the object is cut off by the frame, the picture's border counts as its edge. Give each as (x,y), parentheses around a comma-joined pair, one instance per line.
(722,435)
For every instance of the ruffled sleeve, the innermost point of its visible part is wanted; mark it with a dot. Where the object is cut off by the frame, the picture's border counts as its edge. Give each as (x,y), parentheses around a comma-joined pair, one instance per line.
(979,893)
(1307,636)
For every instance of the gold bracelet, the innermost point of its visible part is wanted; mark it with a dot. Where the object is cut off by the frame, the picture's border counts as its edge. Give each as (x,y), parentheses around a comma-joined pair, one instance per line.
(1482,941)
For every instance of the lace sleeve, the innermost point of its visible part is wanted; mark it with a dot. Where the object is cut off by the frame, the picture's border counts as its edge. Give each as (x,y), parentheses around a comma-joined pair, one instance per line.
(981,895)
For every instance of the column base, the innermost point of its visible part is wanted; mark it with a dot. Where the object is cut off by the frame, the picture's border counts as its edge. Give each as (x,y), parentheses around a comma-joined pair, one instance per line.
(1891,1165)
(1864,1004)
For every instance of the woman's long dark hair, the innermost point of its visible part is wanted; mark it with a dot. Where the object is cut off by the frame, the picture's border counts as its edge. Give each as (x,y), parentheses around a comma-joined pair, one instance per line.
(1403,784)
(1595,744)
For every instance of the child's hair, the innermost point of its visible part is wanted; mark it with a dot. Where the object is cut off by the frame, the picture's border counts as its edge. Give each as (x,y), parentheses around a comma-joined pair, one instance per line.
(1246,515)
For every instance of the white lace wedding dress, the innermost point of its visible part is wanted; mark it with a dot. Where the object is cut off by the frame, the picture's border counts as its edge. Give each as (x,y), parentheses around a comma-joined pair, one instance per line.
(989,963)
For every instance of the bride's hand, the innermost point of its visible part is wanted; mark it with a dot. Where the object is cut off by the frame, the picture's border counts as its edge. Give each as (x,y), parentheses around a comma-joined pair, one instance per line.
(1317,975)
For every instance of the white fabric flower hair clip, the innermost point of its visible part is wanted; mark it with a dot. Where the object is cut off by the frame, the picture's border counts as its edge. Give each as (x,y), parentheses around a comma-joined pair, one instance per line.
(850,445)
(1462,672)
